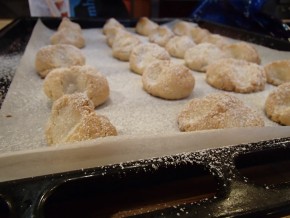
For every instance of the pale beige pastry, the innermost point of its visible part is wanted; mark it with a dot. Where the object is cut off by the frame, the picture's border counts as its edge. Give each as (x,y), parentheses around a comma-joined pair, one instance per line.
(202,55)
(278,72)
(54,56)
(182,28)
(198,34)
(111,23)
(66,23)
(144,54)
(277,105)
(160,35)
(77,79)
(67,36)
(216,39)
(178,45)
(145,26)
(114,32)
(236,75)
(243,51)
(217,111)
(73,119)
(167,80)
(123,46)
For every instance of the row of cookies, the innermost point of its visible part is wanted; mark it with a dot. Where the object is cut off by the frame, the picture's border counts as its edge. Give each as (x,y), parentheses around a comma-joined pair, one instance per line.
(75,88)
(237,70)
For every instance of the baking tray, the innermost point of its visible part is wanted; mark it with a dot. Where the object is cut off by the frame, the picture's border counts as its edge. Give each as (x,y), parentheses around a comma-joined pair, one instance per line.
(239,180)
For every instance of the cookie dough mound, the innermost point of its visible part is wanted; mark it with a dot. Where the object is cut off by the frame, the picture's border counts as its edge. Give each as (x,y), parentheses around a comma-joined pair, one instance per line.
(182,28)
(114,33)
(167,80)
(198,34)
(145,26)
(243,51)
(123,46)
(236,75)
(277,105)
(202,55)
(73,119)
(111,23)
(278,72)
(144,54)
(55,56)
(161,35)
(217,111)
(66,23)
(70,37)
(216,39)
(178,45)
(78,79)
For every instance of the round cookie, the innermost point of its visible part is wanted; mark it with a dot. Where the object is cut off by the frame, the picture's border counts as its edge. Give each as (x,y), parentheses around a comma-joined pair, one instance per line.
(198,34)
(202,55)
(216,39)
(243,51)
(123,46)
(67,36)
(217,111)
(73,119)
(161,35)
(167,80)
(278,72)
(54,56)
(144,54)
(111,23)
(277,105)
(182,28)
(145,26)
(78,79)
(178,45)
(236,75)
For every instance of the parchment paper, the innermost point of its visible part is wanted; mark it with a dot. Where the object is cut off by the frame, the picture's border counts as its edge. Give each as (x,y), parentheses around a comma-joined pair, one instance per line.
(26,109)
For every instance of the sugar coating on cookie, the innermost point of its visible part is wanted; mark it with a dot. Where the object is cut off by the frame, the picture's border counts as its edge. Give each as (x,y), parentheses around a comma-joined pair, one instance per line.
(145,26)
(182,28)
(277,105)
(236,75)
(217,111)
(123,46)
(160,35)
(167,80)
(178,45)
(144,54)
(198,34)
(278,72)
(78,79)
(199,57)
(54,56)
(73,119)
(111,23)
(243,51)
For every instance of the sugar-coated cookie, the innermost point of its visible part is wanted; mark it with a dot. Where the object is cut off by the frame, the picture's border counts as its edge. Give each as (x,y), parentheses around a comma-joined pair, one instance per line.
(278,72)
(178,45)
(145,26)
(161,35)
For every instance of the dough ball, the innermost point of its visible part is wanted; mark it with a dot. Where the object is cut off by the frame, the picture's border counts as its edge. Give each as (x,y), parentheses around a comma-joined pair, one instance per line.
(144,54)
(198,34)
(182,28)
(178,45)
(145,26)
(161,35)
(73,119)
(277,105)
(243,51)
(54,56)
(114,33)
(111,23)
(70,37)
(123,46)
(217,111)
(278,72)
(78,79)
(216,39)
(66,23)
(202,55)
(236,75)
(167,80)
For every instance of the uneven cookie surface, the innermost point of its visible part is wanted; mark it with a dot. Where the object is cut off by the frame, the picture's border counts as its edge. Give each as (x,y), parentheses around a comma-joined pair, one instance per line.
(278,72)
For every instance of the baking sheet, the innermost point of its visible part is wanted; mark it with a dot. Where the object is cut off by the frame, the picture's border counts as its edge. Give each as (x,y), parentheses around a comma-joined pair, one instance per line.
(136,114)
